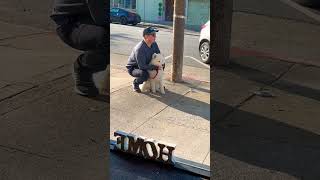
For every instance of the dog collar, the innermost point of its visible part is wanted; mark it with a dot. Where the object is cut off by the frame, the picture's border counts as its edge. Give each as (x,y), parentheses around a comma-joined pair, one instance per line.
(156,74)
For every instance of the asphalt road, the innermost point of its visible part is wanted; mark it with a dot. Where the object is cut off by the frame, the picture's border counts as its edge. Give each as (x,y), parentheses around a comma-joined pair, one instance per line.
(123,38)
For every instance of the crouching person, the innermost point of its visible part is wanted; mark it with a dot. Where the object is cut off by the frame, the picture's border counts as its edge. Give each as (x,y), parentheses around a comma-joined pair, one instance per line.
(138,62)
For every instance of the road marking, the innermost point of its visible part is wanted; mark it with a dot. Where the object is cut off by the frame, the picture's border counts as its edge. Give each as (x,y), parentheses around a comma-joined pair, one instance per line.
(205,65)
(302,9)
(168,57)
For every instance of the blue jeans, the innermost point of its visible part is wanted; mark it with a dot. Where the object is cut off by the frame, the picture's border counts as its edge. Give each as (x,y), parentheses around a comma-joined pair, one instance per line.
(140,75)
(82,34)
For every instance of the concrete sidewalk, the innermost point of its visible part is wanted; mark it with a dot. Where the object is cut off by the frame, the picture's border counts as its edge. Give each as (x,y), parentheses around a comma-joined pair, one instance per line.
(181,116)
(258,137)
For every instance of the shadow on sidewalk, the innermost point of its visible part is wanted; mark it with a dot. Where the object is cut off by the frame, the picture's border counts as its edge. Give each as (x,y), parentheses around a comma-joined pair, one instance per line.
(184,104)
(264,142)
(268,78)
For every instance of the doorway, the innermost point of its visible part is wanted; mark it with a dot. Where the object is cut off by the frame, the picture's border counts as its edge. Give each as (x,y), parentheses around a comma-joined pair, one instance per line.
(169,10)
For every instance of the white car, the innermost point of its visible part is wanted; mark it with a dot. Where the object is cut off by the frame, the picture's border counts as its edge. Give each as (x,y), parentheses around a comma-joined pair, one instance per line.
(204,42)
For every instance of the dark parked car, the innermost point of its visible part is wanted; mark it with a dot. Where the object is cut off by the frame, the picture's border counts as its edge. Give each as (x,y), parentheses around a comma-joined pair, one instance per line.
(124,16)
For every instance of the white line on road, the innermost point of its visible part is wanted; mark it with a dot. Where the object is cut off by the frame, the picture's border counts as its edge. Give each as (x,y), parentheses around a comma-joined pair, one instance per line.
(302,9)
(168,57)
(206,65)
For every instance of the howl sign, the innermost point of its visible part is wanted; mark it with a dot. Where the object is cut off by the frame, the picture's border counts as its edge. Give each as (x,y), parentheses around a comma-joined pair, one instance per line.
(147,148)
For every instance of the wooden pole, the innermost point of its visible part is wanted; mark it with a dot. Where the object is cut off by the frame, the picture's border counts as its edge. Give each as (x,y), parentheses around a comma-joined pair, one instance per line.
(178,40)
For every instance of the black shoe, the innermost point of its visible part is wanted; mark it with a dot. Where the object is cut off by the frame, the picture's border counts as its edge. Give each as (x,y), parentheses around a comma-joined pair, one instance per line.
(136,87)
(84,84)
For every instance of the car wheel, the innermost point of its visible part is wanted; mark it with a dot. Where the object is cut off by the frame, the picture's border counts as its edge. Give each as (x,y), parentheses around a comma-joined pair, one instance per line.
(204,52)
(123,20)
(135,23)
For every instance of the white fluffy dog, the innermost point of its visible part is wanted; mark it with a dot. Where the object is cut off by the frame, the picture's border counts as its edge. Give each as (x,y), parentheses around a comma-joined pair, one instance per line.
(102,81)
(155,81)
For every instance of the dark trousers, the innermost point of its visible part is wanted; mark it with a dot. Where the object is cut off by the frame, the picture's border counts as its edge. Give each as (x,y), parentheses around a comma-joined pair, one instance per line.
(82,34)
(140,75)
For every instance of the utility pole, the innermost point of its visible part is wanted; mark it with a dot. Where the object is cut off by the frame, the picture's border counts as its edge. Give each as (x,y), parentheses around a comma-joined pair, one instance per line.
(178,40)
(222,22)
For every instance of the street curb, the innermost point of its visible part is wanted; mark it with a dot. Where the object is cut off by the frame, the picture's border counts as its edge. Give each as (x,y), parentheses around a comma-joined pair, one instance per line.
(186,77)
(188,32)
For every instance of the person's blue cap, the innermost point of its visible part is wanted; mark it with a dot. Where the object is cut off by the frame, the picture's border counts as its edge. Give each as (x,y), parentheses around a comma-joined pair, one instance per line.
(150,30)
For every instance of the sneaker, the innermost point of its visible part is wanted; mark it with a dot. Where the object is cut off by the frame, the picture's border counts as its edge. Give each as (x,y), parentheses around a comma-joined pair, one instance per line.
(136,87)
(84,84)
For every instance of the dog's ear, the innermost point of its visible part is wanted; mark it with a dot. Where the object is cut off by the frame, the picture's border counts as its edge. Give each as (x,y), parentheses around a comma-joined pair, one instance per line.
(154,55)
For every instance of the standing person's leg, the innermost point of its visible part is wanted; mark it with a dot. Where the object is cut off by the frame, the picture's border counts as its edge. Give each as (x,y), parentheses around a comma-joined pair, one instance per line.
(86,64)
(93,40)
(140,77)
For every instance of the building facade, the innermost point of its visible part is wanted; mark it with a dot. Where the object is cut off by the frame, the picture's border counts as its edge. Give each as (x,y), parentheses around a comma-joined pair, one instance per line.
(161,11)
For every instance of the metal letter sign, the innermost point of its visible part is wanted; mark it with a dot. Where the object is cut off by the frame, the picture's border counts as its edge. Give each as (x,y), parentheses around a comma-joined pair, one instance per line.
(147,148)
(157,151)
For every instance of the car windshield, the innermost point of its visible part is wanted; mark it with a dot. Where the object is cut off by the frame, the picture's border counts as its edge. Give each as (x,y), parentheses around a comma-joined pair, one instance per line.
(129,10)
(114,10)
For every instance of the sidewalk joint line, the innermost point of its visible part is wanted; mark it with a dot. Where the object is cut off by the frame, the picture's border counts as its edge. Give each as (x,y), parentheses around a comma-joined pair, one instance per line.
(51,70)
(34,86)
(33,101)
(25,26)
(24,35)
(206,156)
(253,95)
(20,92)
(282,74)
(26,152)
(14,47)
(120,89)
